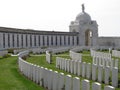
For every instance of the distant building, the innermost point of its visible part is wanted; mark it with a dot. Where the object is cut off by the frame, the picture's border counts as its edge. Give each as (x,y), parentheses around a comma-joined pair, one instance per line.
(82,32)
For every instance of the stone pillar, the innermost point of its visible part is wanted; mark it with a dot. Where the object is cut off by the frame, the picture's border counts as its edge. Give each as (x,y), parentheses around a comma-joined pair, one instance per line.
(107,75)
(15,41)
(20,41)
(1,40)
(28,40)
(58,40)
(61,83)
(68,83)
(41,40)
(11,41)
(96,86)
(50,40)
(33,42)
(115,77)
(62,40)
(94,68)
(71,40)
(24,41)
(75,40)
(88,74)
(54,40)
(6,40)
(109,88)
(85,85)
(37,42)
(76,83)
(66,38)
(100,74)
(45,40)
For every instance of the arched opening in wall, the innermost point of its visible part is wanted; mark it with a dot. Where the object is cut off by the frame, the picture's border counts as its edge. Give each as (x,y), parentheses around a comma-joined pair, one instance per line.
(88,38)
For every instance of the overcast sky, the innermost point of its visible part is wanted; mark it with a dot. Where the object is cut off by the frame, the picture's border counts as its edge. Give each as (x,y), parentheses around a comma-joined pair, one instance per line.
(56,15)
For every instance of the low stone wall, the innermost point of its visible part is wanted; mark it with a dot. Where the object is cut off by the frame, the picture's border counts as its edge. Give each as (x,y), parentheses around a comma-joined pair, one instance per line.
(4,52)
(86,70)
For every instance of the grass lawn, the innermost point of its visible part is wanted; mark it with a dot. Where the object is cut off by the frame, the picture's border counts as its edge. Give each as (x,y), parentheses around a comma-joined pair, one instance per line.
(10,77)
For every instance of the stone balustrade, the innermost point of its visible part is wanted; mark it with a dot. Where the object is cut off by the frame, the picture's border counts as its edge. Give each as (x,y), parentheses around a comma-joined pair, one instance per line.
(4,52)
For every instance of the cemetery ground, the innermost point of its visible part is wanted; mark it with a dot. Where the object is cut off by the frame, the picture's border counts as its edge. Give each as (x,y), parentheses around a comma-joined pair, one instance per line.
(40,60)
(12,79)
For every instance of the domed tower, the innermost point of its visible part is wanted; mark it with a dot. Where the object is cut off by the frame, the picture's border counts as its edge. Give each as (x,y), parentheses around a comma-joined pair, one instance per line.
(87,28)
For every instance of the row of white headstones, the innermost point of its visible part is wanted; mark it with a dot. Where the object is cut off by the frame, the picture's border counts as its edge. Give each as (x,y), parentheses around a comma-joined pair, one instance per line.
(86,70)
(52,80)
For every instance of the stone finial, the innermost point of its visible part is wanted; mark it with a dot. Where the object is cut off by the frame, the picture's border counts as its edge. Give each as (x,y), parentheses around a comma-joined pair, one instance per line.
(83,8)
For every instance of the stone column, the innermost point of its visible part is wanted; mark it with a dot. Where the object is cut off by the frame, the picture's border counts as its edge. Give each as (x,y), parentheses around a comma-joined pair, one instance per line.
(28,40)
(37,44)
(58,40)
(66,38)
(75,40)
(41,40)
(33,42)
(6,40)
(1,40)
(11,40)
(15,41)
(24,41)
(62,40)
(45,40)
(71,41)
(54,40)
(50,40)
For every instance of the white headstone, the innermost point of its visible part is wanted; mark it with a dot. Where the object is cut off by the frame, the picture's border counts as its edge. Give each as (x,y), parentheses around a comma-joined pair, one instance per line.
(61,83)
(109,88)
(115,77)
(76,83)
(88,71)
(85,85)
(68,82)
(96,86)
